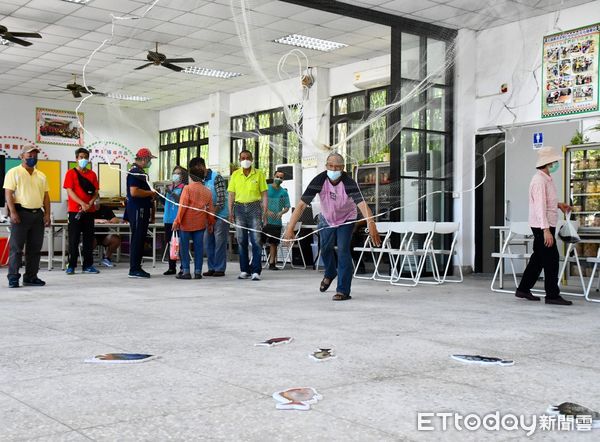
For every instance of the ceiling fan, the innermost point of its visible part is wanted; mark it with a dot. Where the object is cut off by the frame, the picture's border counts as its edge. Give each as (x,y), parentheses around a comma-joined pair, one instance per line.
(76,89)
(158,59)
(14,36)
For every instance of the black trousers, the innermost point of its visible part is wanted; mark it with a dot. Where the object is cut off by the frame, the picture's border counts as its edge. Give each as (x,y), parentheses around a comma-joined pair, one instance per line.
(82,227)
(543,258)
(139,218)
(28,234)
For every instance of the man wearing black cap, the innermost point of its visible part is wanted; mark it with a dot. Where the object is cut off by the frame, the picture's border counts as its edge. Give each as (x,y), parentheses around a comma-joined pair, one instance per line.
(139,210)
(26,190)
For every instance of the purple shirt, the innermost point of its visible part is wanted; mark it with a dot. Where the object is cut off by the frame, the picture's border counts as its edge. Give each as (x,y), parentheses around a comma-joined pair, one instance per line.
(338,202)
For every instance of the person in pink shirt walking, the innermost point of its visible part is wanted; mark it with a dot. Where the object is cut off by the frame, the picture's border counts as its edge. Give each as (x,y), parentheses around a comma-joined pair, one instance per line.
(543,215)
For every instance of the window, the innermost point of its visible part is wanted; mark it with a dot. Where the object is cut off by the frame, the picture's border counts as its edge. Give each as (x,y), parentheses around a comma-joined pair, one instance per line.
(348,113)
(426,136)
(179,146)
(269,136)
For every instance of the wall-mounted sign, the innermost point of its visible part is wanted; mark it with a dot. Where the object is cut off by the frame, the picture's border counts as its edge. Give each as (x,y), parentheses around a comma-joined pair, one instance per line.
(570,72)
(58,127)
(538,140)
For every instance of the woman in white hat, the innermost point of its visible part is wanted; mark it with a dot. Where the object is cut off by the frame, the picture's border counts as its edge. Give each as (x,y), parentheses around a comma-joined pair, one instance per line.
(543,205)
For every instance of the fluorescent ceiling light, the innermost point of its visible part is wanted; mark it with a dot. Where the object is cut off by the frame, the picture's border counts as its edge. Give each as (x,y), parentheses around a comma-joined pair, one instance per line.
(210,72)
(79,2)
(302,41)
(125,97)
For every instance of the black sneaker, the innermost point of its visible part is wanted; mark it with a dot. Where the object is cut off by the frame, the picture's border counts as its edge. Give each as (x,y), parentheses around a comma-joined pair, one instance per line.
(273,267)
(34,282)
(197,275)
(184,276)
(170,272)
(13,284)
(558,301)
(209,273)
(139,274)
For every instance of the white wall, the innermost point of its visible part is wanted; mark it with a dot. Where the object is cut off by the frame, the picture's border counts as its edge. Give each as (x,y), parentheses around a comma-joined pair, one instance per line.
(513,54)
(128,127)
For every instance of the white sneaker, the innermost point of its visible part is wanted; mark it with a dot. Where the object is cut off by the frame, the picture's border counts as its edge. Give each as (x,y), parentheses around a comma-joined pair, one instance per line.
(255,277)
(244,275)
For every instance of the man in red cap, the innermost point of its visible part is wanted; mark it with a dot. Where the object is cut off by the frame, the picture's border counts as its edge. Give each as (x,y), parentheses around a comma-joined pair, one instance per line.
(140,209)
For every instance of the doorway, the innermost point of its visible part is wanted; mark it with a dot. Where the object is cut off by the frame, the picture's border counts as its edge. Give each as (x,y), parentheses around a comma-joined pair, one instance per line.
(489,198)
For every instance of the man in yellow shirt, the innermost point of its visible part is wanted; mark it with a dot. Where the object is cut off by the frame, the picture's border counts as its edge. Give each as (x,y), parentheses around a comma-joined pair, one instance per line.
(26,190)
(248,208)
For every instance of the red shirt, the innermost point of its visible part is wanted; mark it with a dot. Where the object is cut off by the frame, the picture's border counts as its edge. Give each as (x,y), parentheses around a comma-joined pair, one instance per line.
(72,182)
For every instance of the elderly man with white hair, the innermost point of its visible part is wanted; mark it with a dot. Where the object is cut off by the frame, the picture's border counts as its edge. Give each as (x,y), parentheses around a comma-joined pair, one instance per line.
(340,198)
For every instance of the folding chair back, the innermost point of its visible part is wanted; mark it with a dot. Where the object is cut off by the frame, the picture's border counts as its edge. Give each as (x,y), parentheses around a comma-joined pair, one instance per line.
(442,229)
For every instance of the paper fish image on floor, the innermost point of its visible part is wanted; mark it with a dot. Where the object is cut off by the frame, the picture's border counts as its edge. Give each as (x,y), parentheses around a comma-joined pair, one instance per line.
(299,398)
(121,358)
(274,341)
(324,354)
(572,409)
(483,360)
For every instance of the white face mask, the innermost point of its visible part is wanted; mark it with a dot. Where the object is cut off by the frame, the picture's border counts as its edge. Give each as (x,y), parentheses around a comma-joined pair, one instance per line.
(246,164)
(176,177)
(83,162)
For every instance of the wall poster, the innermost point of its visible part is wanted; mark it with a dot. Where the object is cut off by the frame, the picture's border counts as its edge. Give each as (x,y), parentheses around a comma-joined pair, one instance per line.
(58,127)
(570,72)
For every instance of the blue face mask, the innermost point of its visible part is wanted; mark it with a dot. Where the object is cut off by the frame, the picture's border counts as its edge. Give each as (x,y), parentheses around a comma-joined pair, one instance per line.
(334,175)
(31,162)
(553,167)
(83,163)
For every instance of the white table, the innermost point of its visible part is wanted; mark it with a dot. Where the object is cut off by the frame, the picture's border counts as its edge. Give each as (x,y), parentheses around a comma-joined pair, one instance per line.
(118,228)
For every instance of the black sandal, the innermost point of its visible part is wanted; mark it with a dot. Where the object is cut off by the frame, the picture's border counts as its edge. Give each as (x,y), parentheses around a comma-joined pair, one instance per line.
(325,285)
(341,297)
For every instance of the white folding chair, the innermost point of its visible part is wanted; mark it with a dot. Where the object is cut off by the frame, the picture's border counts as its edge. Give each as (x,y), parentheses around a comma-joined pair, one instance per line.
(571,250)
(408,251)
(518,235)
(588,289)
(441,229)
(383,228)
(287,249)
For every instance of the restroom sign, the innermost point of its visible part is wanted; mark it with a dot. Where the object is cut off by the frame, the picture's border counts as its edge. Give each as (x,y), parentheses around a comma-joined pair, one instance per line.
(538,140)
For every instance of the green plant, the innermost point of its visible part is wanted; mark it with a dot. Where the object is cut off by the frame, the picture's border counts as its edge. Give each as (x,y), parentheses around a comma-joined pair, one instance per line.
(578,138)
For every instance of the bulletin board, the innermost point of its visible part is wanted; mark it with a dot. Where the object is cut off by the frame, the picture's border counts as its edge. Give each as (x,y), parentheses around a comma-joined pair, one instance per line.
(51,168)
(570,73)
(109,177)
(10,163)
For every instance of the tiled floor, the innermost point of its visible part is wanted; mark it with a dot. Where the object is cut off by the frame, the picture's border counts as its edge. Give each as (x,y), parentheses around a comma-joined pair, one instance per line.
(212,383)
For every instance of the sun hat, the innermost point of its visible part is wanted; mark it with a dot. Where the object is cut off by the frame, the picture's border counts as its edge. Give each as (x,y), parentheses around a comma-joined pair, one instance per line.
(547,155)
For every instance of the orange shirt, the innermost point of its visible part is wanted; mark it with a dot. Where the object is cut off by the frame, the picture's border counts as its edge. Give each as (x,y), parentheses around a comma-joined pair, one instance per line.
(198,196)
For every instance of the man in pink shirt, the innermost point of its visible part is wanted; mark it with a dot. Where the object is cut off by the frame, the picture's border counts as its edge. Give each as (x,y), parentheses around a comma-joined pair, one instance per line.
(340,201)
(543,205)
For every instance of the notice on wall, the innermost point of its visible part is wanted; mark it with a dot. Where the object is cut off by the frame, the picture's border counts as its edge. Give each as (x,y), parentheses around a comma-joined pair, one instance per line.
(58,127)
(570,72)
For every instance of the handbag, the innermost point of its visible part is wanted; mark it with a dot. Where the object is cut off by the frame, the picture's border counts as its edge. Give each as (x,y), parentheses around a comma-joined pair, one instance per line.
(174,246)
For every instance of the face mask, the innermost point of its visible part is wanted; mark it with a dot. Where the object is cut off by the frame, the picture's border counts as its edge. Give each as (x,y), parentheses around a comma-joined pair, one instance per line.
(176,177)
(246,164)
(148,165)
(83,162)
(553,167)
(334,175)
(277,181)
(31,162)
